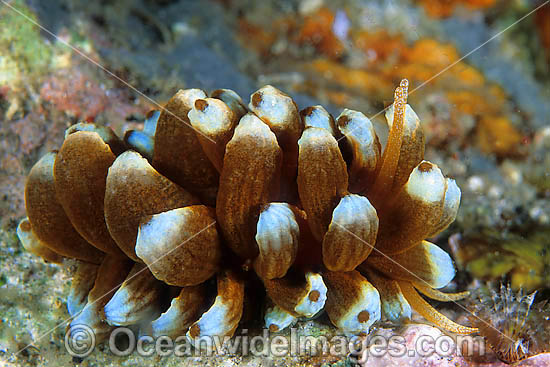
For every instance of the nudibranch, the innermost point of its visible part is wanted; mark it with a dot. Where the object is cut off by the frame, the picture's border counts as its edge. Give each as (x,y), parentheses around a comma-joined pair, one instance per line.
(170,225)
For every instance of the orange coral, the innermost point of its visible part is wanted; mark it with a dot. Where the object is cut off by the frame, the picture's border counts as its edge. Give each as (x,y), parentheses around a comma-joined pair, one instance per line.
(256,37)
(435,67)
(314,29)
(317,30)
(419,62)
(497,135)
(431,53)
(360,80)
(379,45)
(445,8)
(428,60)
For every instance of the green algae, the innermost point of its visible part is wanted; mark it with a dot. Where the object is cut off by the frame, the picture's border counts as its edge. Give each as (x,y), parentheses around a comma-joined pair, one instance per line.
(524,260)
(25,52)
(25,56)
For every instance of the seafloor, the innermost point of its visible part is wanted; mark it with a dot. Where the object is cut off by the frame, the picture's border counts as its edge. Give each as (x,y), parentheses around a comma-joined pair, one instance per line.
(480,81)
